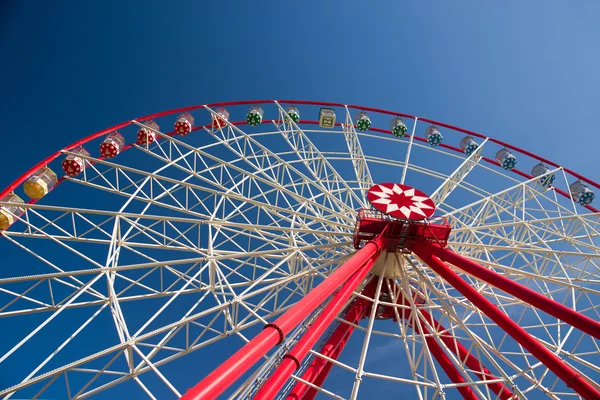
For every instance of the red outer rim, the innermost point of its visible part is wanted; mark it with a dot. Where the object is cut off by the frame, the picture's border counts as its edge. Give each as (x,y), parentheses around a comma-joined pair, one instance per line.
(103,132)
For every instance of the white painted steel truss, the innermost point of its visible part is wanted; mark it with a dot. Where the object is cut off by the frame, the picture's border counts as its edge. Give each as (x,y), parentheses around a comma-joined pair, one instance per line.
(148,262)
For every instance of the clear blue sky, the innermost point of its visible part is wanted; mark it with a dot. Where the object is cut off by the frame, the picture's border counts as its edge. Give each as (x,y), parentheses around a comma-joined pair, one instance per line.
(523,71)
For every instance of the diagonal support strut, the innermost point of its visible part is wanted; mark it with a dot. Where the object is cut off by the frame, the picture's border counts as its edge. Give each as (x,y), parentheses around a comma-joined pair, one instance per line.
(427,252)
(227,373)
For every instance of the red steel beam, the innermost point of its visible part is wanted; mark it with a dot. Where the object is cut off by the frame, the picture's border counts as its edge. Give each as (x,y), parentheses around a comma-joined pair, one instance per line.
(319,369)
(469,359)
(554,308)
(449,368)
(235,366)
(311,392)
(462,353)
(319,379)
(564,371)
(292,360)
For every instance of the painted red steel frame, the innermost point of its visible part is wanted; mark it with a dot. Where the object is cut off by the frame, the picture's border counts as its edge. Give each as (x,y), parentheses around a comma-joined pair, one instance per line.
(311,393)
(465,356)
(444,361)
(319,368)
(454,345)
(96,135)
(564,371)
(319,380)
(461,353)
(293,359)
(552,307)
(235,366)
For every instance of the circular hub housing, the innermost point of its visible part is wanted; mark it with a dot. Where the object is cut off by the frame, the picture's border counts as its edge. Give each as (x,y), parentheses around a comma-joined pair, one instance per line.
(401,201)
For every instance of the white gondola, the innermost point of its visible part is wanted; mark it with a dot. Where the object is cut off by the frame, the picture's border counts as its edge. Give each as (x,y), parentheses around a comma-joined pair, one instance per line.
(10,212)
(468,145)
(326,117)
(74,164)
(433,136)
(292,114)
(255,115)
(506,159)
(112,145)
(541,170)
(146,135)
(184,123)
(362,121)
(398,127)
(581,193)
(40,183)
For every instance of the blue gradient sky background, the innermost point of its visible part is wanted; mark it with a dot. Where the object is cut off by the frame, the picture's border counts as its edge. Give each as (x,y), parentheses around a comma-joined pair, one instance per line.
(523,71)
(526,72)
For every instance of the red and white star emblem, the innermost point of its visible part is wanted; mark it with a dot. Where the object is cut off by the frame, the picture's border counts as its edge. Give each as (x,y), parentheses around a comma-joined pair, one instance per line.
(401,201)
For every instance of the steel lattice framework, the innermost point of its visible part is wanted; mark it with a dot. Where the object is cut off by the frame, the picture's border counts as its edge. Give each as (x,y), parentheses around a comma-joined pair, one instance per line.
(146,271)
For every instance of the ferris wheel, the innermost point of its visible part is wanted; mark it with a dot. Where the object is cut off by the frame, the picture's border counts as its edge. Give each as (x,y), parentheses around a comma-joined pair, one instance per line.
(298,249)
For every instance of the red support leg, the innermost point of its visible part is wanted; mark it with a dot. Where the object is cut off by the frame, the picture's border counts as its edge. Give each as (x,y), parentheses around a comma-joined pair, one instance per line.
(572,378)
(319,368)
(450,369)
(554,308)
(311,393)
(292,360)
(227,373)
(469,359)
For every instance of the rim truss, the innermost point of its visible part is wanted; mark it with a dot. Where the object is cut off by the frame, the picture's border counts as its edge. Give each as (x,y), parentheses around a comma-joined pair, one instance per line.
(180,251)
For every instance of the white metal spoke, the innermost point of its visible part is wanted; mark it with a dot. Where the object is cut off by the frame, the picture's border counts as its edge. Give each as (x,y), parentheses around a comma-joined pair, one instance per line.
(459,174)
(252,150)
(500,206)
(274,172)
(359,162)
(190,319)
(408,151)
(318,165)
(177,197)
(195,239)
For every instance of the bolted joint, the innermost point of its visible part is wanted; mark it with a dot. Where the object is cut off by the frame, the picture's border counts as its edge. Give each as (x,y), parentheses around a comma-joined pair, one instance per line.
(359,375)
